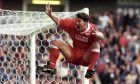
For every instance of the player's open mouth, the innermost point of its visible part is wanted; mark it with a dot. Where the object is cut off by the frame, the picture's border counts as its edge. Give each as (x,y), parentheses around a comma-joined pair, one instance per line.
(78,27)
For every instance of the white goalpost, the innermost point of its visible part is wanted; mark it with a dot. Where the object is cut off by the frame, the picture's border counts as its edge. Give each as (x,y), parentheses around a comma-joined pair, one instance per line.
(24,44)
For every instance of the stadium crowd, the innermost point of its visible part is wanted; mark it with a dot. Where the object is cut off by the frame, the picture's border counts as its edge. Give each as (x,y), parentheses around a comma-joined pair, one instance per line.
(119,61)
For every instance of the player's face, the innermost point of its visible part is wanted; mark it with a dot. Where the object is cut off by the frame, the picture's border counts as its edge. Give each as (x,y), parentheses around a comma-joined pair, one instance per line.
(81,25)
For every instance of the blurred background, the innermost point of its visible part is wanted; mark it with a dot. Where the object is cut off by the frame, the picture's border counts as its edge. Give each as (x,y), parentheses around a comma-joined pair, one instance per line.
(72,5)
(119,20)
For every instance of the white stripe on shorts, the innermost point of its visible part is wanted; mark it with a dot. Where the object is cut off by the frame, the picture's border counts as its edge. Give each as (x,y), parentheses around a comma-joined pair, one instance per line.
(95,50)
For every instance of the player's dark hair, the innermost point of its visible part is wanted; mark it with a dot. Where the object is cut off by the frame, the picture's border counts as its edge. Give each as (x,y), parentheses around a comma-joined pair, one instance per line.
(83,16)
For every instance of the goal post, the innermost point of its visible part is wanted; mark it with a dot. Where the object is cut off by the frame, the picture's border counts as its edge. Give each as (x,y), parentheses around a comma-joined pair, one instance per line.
(23,29)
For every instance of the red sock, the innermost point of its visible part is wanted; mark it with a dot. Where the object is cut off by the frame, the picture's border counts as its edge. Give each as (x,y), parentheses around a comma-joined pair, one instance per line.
(54,54)
(93,59)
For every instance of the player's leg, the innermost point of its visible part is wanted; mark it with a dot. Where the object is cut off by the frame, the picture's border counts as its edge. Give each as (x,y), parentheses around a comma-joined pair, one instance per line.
(91,57)
(57,45)
(92,60)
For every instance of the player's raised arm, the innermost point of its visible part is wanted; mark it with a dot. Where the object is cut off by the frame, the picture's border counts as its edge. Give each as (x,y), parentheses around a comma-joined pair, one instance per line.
(49,13)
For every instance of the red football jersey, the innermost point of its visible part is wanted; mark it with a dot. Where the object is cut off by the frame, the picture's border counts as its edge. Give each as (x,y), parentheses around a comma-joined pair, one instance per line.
(80,40)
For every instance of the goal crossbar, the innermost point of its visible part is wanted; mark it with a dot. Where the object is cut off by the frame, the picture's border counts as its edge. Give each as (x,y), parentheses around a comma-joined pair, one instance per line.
(28,22)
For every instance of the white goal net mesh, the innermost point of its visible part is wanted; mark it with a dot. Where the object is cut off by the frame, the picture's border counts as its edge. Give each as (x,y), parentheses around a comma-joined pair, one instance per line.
(16,30)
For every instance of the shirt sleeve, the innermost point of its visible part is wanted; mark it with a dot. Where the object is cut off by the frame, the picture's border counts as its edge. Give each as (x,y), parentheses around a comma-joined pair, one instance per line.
(66,24)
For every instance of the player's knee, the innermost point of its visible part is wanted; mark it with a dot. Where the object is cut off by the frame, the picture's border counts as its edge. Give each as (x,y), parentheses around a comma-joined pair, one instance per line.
(56,42)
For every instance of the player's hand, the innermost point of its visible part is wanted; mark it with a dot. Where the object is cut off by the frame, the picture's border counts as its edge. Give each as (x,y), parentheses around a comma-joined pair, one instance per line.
(90,73)
(48,9)
(95,32)
(98,34)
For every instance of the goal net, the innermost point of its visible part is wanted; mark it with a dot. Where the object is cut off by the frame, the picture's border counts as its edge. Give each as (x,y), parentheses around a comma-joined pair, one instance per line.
(24,44)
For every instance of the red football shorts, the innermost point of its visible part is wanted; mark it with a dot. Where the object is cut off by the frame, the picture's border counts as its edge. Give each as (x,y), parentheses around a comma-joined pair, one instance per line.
(77,57)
